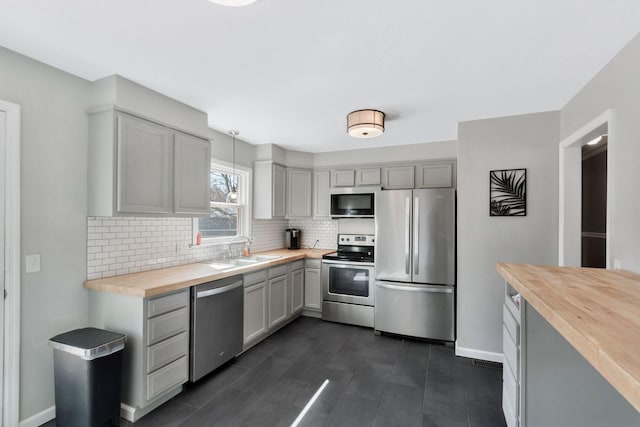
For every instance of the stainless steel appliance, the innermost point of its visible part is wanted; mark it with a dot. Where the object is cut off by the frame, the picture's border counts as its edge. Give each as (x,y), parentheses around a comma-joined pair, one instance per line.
(216,324)
(348,283)
(352,203)
(415,263)
(293,237)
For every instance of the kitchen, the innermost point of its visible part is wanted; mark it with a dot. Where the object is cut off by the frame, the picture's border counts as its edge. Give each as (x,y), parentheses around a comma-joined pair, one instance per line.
(54,133)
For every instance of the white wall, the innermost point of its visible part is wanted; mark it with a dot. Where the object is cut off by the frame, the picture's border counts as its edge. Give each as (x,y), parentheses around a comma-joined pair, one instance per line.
(527,141)
(402,153)
(617,87)
(54,209)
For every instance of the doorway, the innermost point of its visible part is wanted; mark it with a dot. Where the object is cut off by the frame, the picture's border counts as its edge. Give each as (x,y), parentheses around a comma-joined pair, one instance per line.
(10,262)
(594,203)
(585,204)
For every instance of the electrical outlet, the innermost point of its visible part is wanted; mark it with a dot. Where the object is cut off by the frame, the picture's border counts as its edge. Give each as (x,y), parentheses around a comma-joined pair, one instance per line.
(32,263)
(617,264)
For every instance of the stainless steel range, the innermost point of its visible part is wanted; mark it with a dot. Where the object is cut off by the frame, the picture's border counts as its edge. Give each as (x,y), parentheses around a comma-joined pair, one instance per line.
(348,281)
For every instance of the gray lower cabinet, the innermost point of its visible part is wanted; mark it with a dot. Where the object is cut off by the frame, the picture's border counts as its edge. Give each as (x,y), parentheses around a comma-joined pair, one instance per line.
(296,288)
(312,286)
(136,166)
(277,286)
(255,307)
(155,358)
(512,378)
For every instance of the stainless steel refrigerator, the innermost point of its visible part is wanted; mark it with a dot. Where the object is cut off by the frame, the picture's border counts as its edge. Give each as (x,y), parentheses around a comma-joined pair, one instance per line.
(415,263)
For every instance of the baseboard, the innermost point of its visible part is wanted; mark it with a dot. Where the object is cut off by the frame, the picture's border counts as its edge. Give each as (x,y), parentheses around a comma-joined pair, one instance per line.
(478,354)
(309,313)
(39,418)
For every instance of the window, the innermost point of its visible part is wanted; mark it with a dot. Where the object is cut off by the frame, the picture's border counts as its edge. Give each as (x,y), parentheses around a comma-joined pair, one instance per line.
(228,218)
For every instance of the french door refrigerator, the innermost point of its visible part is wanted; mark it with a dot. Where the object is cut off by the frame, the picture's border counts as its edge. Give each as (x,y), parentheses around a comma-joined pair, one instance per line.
(415,263)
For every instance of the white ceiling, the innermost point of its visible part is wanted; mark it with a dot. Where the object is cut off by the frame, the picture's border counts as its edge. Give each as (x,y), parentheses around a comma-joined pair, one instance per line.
(288,71)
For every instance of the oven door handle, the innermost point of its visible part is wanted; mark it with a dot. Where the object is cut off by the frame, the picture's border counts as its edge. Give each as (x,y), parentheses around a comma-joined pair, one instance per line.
(347,264)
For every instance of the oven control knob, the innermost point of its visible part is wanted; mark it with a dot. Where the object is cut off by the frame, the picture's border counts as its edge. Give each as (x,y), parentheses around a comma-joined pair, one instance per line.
(347,239)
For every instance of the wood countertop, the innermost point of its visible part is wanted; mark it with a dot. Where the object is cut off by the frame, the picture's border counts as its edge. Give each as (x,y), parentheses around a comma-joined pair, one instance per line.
(596,310)
(160,281)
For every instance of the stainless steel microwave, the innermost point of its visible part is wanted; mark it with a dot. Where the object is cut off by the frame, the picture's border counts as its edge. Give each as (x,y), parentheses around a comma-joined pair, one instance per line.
(352,203)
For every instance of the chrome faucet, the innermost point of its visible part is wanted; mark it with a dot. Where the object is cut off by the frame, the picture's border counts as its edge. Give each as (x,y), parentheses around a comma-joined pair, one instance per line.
(245,238)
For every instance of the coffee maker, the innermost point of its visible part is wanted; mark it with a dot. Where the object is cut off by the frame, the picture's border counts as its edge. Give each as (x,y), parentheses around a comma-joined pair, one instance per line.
(293,238)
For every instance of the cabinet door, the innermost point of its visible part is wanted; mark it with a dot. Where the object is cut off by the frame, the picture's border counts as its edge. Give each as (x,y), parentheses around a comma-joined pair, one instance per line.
(277,300)
(278,191)
(192,163)
(343,178)
(436,175)
(321,195)
(312,289)
(397,177)
(255,311)
(368,176)
(298,193)
(297,290)
(143,166)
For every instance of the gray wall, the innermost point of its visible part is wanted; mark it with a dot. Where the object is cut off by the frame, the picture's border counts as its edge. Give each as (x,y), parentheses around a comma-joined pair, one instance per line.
(54,208)
(617,86)
(527,141)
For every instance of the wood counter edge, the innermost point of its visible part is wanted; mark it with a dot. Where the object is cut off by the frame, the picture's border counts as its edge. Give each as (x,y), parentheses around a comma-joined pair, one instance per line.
(109,284)
(602,361)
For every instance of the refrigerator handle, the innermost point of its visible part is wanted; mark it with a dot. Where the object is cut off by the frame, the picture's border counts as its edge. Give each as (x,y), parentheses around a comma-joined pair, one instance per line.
(407,235)
(416,234)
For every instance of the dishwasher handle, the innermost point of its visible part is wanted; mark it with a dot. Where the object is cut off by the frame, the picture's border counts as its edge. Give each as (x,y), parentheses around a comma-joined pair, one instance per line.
(218,291)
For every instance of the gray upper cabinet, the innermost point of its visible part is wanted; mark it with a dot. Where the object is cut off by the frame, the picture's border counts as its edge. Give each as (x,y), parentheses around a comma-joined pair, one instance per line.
(343,178)
(192,165)
(143,178)
(136,166)
(321,195)
(435,175)
(269,186)
(298,193)
(397,177)
(367,176)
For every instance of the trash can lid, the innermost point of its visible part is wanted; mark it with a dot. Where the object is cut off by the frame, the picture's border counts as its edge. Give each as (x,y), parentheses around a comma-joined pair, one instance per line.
(89,343)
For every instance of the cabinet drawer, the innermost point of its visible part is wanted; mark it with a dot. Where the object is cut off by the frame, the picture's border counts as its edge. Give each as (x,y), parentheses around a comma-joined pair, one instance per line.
(167,303)
(164,379)
(511,325)
(510,353)
(313,263)
(167,351)
(253,278)
(167,325)
(278,271)
(297,265)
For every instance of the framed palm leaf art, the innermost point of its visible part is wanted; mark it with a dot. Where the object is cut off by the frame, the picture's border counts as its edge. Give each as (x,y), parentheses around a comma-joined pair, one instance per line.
(508,192)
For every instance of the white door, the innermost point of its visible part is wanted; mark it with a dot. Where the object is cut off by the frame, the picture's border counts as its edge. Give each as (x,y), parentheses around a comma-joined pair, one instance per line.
(3,144)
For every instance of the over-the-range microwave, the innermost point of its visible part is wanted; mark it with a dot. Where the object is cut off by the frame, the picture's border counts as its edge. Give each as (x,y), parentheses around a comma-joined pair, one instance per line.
(352,202)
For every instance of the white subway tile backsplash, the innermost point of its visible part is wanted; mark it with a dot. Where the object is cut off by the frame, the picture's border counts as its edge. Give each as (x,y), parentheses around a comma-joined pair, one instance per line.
(325,232)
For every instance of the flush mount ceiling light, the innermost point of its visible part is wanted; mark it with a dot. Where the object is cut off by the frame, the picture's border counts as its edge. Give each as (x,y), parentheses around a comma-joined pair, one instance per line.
(365,123)
(233,2)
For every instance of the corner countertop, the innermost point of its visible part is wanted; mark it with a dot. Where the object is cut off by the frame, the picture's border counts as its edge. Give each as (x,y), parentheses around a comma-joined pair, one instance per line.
(160,281)
(596,310)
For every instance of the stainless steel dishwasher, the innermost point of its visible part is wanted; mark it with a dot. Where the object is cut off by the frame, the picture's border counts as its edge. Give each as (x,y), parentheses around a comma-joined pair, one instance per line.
(216,324)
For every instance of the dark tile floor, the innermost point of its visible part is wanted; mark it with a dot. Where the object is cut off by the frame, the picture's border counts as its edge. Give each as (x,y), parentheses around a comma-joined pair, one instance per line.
(373,380)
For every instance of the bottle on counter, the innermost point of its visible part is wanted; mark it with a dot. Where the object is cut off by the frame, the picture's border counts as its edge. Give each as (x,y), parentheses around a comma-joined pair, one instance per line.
(246,250)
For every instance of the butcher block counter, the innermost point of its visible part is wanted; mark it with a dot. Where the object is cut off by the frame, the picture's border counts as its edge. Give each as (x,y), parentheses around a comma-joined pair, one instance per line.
(597,312)
(160,281)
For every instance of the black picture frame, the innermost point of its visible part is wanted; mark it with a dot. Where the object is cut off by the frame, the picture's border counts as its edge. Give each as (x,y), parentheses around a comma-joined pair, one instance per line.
(508,192)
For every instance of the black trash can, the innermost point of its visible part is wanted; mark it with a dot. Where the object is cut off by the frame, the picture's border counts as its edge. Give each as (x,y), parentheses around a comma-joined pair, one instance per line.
(87,366)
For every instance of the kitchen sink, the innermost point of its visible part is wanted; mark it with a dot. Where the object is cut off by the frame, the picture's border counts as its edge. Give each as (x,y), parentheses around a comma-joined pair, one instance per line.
(235,263)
